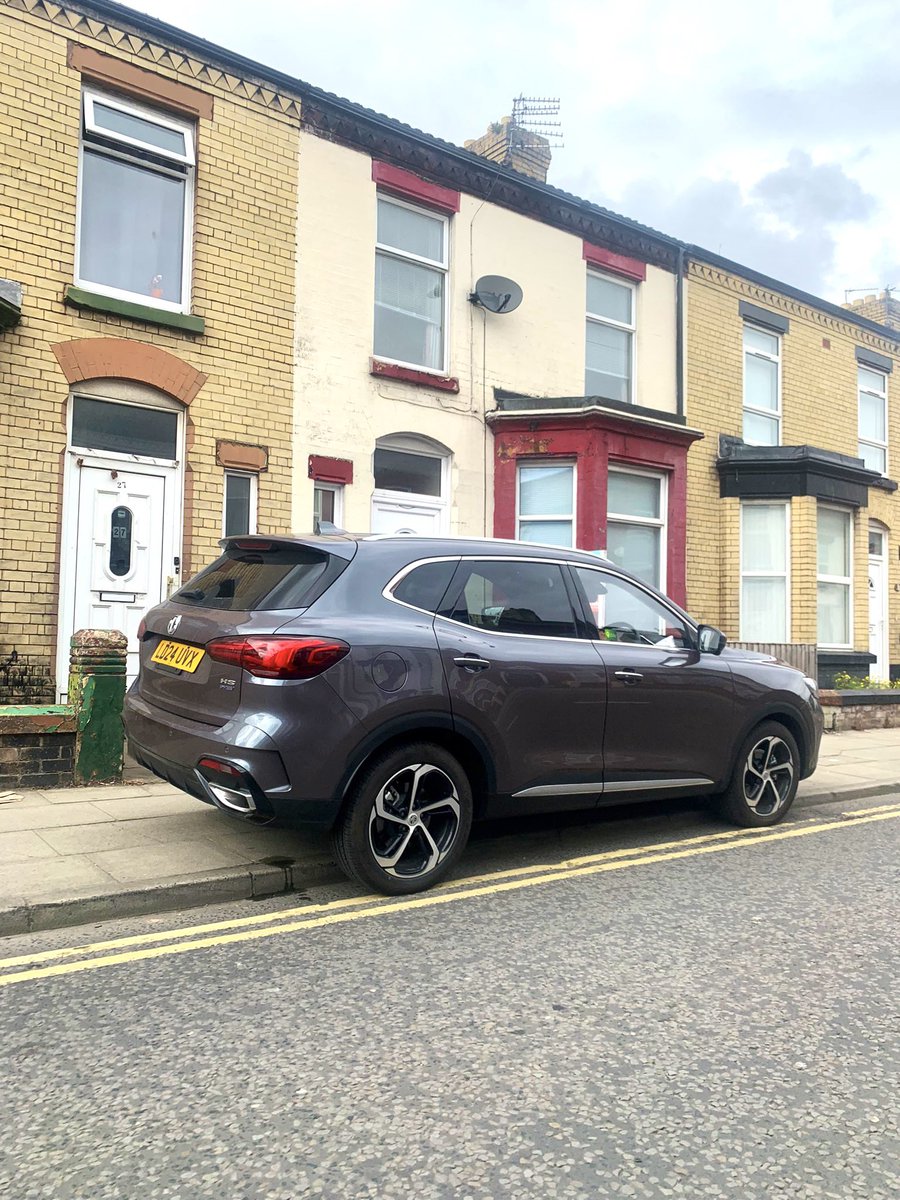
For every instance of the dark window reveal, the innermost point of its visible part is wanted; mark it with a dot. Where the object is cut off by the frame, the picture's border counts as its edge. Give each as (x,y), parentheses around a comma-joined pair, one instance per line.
(241,580)
(398,471)
(124,428)
(120,541)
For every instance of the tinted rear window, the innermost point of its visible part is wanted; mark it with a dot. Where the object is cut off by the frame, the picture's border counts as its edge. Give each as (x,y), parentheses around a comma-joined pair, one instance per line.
(244,580)
(424,586)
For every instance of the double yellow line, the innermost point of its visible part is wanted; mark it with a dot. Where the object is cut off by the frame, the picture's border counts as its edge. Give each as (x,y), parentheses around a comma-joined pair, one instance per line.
(51,963)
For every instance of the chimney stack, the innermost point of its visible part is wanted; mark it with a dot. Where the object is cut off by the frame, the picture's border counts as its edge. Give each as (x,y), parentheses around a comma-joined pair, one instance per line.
(515,147)
(884,308)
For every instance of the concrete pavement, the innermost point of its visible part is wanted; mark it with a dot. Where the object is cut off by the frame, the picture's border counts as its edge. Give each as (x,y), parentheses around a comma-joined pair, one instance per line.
(73,855)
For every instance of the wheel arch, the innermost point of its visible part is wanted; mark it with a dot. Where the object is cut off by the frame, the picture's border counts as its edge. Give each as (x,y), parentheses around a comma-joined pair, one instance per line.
(464,744)
(786,715)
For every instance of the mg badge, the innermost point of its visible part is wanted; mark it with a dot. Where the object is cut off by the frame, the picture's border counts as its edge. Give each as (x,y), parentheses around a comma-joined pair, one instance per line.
(173,624)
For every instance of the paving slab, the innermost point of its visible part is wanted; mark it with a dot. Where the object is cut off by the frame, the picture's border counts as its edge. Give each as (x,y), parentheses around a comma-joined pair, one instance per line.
(50,816)
(162,862)
(59,875)
(22,845)
(90,839)
(132,808)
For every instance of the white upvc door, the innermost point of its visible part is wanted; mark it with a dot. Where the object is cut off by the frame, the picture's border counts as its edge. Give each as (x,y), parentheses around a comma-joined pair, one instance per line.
(879,669)
(395,515)
(119,551)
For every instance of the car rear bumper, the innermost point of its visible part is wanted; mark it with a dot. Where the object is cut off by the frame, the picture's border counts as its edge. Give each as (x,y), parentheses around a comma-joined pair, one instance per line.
(172,747)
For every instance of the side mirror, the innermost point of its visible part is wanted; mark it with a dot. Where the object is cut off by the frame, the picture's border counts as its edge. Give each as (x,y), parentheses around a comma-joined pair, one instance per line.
(710,640)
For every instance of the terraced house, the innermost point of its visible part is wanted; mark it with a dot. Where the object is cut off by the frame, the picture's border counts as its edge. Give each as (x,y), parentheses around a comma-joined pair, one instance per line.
(795,518)
(148,207)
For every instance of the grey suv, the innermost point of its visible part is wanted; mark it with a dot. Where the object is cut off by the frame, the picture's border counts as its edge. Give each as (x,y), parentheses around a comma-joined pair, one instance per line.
(393,689)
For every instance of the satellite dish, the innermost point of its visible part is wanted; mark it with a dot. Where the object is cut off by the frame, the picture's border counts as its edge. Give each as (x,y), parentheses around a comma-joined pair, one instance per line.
(497,294)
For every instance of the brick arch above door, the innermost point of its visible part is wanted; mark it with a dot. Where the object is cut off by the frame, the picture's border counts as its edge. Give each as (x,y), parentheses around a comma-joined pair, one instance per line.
(124,358)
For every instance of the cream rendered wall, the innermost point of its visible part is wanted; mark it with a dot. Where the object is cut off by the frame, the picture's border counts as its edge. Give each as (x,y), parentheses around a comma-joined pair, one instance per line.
(340,410)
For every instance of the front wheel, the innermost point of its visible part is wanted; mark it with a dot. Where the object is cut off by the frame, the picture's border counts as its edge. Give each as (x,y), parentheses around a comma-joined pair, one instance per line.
(765,778)
(407,820)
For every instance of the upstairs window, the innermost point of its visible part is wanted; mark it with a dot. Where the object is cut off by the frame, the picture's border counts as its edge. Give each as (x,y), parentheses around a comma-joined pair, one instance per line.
(872,391)
(609,356)
(762,387)
(135,198)
(411,264)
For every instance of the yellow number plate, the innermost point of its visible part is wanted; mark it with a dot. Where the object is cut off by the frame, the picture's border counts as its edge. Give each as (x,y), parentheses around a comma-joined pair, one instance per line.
(178,655)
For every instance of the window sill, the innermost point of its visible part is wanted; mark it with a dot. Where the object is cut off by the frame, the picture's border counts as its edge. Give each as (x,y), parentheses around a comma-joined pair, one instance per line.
(386,370)
(77,297)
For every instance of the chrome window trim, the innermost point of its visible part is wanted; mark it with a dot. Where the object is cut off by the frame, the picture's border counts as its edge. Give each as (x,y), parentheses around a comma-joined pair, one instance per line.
(387,593)
(633,785)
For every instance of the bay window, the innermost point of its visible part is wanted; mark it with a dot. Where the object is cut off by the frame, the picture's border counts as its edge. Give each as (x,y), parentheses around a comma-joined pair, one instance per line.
(411,264)
(765,548)
(545,503)
(834,576)
(636,525)
(135,197)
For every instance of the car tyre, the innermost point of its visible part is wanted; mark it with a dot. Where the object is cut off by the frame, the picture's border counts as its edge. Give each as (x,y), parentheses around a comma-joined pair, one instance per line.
(406,821)
(765,778)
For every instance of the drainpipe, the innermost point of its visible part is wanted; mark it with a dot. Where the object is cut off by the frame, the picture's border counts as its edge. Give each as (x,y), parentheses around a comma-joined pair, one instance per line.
(679,333)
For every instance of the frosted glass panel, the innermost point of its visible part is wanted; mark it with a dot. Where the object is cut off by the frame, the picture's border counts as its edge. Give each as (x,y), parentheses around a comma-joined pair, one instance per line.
(834,614)
(834,542)
(546,491)
(633,495)
(764,544)
(763,610)
(759,430)
(549,533)
(636,548)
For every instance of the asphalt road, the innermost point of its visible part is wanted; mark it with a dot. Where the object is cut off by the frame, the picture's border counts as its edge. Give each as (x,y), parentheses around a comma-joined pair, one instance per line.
(647,1008)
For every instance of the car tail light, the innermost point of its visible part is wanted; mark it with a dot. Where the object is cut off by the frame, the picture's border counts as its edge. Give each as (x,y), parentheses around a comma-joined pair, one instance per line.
(279,657)
(142,629)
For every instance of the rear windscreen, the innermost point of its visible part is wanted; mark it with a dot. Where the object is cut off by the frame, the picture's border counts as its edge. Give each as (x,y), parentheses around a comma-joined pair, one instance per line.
(244,580)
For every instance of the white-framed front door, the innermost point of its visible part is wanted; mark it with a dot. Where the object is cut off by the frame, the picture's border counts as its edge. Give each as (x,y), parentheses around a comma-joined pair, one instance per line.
(880,669)
(391,515)
(121,523)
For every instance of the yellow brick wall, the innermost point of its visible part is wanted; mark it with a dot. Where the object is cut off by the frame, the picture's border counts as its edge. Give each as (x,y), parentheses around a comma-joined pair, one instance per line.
(819,406)
(243,286)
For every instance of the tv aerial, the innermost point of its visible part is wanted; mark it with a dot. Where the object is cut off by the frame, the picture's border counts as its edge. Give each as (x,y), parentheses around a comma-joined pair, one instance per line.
(496,294)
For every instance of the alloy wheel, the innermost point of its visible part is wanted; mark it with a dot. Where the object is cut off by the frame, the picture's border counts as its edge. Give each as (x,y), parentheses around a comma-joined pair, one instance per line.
(768,775)
(414,820)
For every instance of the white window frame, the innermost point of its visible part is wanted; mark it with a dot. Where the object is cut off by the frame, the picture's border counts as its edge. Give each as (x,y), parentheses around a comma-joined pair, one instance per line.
(747,574)
(660,522)
(254,499)
(176,167)
(771,413)
(882,396)
(382,248)
(337,489)
(846,580)
(554,517)
(631,328)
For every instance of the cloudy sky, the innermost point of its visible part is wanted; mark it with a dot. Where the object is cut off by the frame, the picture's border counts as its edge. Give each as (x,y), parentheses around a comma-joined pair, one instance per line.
(769,133)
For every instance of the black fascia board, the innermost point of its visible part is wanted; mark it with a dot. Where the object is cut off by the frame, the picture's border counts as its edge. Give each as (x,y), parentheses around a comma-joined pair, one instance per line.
(508,401)
(668,247)
(749,472)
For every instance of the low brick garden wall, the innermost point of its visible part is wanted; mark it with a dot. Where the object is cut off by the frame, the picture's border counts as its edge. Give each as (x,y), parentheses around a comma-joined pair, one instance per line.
(866,708)
(37,746)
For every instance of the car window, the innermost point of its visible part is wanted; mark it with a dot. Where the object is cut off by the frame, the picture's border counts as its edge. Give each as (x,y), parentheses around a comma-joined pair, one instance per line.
(626,613)
(281,576)
(512,597)
(425,585)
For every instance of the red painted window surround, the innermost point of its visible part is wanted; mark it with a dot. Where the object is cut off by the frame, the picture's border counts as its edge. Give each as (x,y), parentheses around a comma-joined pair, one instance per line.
(616,264)
(596,443)
(386,370)
(330,470)
(413,187)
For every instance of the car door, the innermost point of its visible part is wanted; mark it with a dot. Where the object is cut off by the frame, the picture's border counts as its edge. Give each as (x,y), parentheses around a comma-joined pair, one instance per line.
(521,678)
(670,712)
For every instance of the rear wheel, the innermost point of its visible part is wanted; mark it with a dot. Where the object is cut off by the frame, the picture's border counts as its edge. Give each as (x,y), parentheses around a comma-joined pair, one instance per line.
(765,778)
(407,820)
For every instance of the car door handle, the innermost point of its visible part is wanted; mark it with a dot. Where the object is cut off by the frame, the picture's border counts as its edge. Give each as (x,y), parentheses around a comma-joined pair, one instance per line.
(471,662)
(629,678)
